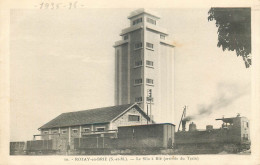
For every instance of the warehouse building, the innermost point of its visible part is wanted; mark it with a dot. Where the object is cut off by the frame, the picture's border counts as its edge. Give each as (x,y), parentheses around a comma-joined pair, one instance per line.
(67,126)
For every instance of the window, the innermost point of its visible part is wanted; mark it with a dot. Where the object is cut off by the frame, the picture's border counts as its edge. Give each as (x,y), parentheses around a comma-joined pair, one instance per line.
(149,63)
(138,81)
(152,21)
(100,129)
(138,63)
(138,45)
(149,81)
(137,21)
(162,36)
(245,136)
(64,131)
(55,131)
(245,124)
(149,45)
(138,99)
(133,118)
(125,37)
(75,130)
(45,132)
(86,129)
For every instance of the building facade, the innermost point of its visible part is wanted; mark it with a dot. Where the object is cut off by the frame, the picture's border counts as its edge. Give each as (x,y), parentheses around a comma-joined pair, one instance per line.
(95,123)
(144,63)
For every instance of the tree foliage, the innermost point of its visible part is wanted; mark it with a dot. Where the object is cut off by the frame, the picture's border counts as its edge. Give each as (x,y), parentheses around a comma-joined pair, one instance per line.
(234,30)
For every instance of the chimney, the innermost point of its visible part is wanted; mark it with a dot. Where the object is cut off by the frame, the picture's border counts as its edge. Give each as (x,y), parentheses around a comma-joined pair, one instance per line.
(192,127)
(183,123)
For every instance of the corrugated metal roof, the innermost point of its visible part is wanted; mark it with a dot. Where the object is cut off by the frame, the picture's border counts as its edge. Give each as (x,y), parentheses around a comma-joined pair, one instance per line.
(98,115)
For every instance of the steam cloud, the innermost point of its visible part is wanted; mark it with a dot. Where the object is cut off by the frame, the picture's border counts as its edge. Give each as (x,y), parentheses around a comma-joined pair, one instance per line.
(227,94)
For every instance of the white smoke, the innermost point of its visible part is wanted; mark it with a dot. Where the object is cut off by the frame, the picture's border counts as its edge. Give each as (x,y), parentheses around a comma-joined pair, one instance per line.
(225,96)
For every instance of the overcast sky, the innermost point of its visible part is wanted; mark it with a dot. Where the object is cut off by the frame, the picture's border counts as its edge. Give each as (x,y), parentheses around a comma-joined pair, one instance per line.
(63,61)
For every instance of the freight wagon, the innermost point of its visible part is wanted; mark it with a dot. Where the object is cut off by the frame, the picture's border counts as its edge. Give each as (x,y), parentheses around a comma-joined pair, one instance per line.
(17,148)
(39,147)
(141,139)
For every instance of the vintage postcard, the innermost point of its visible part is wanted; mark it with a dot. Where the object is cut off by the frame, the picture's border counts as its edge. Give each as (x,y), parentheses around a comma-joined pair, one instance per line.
(130,82)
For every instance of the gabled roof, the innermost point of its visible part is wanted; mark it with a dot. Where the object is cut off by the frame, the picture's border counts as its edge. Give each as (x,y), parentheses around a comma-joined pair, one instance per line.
(92,116)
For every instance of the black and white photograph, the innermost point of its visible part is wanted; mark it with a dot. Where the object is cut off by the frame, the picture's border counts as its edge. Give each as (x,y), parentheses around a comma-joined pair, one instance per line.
(148,84)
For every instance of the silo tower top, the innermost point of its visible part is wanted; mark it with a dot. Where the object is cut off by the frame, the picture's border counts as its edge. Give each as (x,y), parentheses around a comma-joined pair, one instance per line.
(139,12)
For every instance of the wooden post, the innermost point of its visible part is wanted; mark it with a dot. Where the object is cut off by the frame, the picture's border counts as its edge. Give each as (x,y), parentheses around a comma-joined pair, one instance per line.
(69,135)
(103,142)
(97,142)
(49,137)
(80,127)
(92,128)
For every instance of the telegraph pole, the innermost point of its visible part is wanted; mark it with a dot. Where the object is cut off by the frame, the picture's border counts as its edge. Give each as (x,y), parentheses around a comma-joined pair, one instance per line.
(149,98)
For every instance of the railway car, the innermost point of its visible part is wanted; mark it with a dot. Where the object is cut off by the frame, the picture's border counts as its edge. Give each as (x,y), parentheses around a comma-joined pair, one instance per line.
(232,137)
(141,139)
(17,148)
(38,147)
(146,136)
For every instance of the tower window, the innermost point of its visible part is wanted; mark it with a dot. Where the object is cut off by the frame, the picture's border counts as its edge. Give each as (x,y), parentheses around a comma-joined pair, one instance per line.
(133,118)
(138,63)
(138,99)
(64,131)
(138,45)
(138,81)
(75,130)
(162,36)
(152,21)
(149,81)
(137,21)
(149,45)
(125,37)
(149,63)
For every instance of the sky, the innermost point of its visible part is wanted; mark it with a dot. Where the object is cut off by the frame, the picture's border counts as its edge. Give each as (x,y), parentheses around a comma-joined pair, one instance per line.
(63,61)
